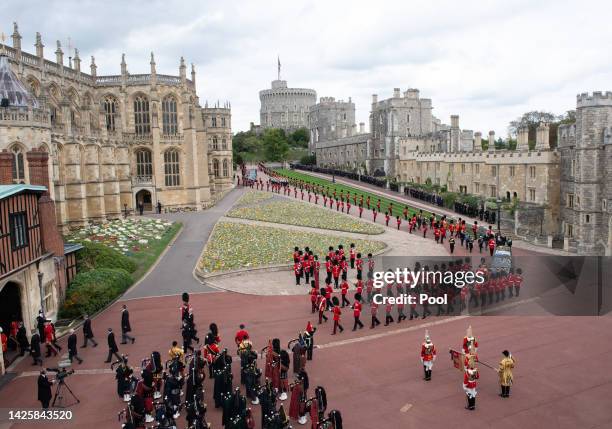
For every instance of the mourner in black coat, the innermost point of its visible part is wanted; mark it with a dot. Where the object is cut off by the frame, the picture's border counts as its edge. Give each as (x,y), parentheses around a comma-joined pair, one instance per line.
(112,346)
(22,339)
(44,389)
(88,332)
(125,326)
(73,352)
(35,348)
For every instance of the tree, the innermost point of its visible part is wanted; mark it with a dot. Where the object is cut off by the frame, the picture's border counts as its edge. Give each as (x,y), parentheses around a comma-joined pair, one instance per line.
(275,145)
(531,120)
(299,138)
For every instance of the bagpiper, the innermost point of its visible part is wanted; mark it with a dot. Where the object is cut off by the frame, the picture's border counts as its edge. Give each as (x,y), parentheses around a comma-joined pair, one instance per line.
(506,365)
(428,356)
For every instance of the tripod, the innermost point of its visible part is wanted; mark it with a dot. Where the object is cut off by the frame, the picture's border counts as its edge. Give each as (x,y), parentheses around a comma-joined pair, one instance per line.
(59,398)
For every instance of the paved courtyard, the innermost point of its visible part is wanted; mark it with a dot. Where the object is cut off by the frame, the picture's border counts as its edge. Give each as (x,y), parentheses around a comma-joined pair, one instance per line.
(373,376)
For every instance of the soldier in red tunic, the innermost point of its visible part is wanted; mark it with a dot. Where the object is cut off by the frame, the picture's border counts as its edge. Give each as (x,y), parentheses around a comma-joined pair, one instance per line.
(469,341)
(344,287)
(352,255)
(373,311)
(337,312)
(322,306)
(297,270)
(428,356)
(314,296)
(470,376)
(357,312)
(336,269)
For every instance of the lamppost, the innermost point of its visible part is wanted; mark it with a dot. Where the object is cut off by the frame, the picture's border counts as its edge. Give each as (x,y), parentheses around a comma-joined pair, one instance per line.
(40,289)
(499,201)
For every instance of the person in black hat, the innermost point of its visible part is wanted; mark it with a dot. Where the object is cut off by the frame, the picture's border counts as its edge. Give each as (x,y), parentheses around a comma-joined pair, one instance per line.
(506,365)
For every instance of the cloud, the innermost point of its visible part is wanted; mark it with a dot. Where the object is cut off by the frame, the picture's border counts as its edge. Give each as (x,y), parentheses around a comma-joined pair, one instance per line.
(486,61)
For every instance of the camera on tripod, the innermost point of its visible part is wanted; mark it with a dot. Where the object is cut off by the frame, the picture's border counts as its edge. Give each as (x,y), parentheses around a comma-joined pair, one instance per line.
(62,371)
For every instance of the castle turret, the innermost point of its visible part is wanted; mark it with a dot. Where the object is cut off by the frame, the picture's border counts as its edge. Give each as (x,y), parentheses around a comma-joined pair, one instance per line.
(193,75)
(374,98)
(455,134)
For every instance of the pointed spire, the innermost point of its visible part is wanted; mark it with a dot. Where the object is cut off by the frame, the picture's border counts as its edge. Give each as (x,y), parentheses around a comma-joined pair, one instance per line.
(153,70)
(16,37)
(183,71)
(77,60)
(93,67)
(59,54)
(39,45)
(193,75)
(123,65)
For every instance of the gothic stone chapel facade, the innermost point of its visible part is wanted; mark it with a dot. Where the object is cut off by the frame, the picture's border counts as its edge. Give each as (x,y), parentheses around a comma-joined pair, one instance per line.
(114,141)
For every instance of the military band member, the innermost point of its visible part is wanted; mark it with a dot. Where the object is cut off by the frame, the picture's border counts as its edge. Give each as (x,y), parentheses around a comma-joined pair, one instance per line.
(469,340)
(469,385)
(506,365)
(357,312)
(284,371)
(428,356)
(337,312)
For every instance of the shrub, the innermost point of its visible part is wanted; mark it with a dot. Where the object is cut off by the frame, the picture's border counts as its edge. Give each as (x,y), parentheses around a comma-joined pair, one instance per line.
(91,290)
(97,255)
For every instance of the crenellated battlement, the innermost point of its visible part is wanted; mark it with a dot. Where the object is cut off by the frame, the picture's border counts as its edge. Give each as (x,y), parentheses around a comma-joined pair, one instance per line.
(597,98)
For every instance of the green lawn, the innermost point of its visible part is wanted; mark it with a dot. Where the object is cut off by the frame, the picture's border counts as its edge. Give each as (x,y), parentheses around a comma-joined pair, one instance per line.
(398,206)
(304,214)
(146,257)
(235,245)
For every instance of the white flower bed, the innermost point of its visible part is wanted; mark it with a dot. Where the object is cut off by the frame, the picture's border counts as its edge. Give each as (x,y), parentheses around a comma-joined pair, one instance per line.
(125,235)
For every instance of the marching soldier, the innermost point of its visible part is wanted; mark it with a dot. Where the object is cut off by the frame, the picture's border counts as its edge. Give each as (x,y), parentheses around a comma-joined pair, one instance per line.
(469,385)
(428,356)
(469,340)
(506,365)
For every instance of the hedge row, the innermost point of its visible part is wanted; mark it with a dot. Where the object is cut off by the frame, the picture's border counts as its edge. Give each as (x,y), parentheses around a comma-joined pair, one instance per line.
(90,291)
(97,255)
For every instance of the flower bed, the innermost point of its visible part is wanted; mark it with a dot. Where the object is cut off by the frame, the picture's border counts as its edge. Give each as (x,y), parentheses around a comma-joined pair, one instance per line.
(253,197)
(234,246)
(303,214)
(127,236)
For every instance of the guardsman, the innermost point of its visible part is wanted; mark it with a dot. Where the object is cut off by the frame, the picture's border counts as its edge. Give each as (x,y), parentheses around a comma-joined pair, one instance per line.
(297,270)
(470,376)
(322,306)
(469,340)
(344,287)
(359,266)
(357,312)
(506,365)
(428,356)
(337,312)
(352,255)
(314,296)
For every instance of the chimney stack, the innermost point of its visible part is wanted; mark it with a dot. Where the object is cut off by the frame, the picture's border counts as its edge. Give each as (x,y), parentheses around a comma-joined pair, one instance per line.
(6,167)
(542,136)
(374,98)
(491,141)
(478,141)
(38,162)
(361,128)
(396,93)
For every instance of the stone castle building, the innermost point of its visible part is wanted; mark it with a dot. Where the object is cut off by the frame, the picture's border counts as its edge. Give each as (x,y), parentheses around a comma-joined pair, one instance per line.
(284,107)
(586,176)
(114,141)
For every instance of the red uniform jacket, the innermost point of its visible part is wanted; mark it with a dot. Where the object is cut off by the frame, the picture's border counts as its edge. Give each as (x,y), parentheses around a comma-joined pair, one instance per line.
(336,271)
(469,381)
(344,287)
(428,352)
(357,309)
(337,313)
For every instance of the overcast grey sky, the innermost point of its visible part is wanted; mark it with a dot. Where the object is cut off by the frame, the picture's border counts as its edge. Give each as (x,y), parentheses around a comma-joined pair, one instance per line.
(488,61)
